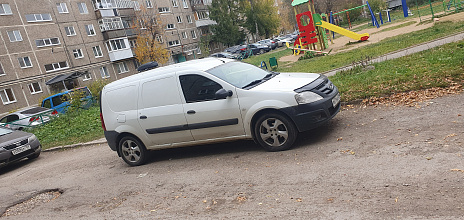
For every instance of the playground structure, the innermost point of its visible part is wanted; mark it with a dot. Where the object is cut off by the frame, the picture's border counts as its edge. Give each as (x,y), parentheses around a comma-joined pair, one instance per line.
(312,28)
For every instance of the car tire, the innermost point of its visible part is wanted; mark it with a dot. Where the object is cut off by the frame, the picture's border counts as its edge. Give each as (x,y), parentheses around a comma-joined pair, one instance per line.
(33,156)
(133,152)
(275,132)
(261,51)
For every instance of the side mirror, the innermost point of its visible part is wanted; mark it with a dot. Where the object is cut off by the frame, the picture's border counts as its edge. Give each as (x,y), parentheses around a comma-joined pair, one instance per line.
(222,94)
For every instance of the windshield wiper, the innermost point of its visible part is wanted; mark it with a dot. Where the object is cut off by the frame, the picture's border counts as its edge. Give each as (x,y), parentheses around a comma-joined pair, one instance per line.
(268,76)
(253,83)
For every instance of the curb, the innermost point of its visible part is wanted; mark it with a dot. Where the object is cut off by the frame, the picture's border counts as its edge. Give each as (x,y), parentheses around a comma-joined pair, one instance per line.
(95,142)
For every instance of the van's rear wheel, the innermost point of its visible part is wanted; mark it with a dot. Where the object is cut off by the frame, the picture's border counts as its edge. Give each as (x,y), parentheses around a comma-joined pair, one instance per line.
(275,132)
(133,152)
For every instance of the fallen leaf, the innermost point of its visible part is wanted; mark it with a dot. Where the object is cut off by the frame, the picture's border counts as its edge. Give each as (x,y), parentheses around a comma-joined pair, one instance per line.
(340,138)
(459,170)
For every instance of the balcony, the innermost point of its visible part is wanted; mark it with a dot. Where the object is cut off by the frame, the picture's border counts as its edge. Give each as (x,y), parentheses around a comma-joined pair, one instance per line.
(120,54)
(204,22)
(114,4)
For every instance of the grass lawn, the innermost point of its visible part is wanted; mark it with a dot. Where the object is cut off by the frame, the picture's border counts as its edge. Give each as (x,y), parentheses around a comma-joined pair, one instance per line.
(325,63)
(70,128)
(438,67)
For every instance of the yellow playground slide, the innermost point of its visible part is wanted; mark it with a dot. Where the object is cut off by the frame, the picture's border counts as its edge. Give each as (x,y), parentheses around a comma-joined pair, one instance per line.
(343,31)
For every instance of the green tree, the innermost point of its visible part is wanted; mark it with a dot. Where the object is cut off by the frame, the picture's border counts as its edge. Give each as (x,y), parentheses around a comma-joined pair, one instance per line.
(228,29)
(261,17)
(377,5)
(287,15)
(148,27)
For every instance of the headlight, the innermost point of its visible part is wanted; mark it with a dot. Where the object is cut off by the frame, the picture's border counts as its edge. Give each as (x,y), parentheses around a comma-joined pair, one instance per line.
(32,138)
(307,97)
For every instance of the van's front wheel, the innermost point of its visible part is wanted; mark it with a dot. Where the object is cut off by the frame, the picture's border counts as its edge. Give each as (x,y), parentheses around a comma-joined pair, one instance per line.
(133,152)
(275,132)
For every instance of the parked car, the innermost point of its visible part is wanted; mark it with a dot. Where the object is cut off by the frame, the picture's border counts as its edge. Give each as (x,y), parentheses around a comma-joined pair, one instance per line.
(258,48)
(268,42)
(224,55)
(235,49)
(282,41)
(212,100)
(147,66)
(17,145)
(30,117)
(60,101)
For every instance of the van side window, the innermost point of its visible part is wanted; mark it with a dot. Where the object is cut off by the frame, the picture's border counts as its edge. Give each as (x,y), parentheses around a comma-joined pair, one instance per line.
(47,104)
(198,88)
(57,100)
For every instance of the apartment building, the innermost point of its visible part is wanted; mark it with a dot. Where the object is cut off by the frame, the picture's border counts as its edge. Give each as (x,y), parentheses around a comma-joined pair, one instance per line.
(47,46)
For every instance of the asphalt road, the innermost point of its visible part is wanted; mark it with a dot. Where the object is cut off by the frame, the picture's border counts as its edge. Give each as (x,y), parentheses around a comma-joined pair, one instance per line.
(367,163)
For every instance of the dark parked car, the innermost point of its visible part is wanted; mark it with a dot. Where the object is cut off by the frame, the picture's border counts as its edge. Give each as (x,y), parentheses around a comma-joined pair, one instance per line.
(30,117)
(224,55)
(271,43)
(236,49)
(259,48)
(17,145)
(147,66)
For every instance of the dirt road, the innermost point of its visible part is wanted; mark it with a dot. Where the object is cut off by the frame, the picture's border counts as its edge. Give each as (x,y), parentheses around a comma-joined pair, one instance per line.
(367,163)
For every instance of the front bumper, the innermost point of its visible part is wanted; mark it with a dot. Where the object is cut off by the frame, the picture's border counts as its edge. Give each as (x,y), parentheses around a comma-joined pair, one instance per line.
(312,115)
(7,157)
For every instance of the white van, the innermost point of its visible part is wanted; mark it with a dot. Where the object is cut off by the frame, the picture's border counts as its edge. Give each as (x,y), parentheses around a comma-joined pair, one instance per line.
(212,100)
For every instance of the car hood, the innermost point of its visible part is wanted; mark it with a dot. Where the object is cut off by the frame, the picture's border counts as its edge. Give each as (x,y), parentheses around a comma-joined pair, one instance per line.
(287,81)
(13,137)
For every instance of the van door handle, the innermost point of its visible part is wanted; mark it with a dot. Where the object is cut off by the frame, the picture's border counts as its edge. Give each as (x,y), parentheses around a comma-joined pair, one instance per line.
(191,112)
(143,117)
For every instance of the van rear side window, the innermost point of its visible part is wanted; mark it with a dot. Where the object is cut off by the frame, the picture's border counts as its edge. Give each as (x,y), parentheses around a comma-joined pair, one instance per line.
(160,92)
(57,100)
(122,99)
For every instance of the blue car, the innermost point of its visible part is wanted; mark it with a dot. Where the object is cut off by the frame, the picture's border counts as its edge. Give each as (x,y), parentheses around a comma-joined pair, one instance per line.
(60,101)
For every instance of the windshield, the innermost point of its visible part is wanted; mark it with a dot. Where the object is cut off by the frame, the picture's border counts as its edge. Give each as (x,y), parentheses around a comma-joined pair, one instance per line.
(239,74)
(4,131)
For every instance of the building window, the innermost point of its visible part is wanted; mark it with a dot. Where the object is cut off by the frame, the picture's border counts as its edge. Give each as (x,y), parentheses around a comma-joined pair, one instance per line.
(174,4)
(5,9)
(117,44)
(159,38)
(202,15)
(122,67)
(38,17)
(97,51)
(184,35)
(78,53)
(47,42)
(56,66)
(174,43)
(170,26)
(25,62)
(149,4)
(2,72)
(179,19)
(163,10)
(34,88)
(86,77)
(104,72)
(7,96)
(70,31)
(184,2)
(194,35)
(82,8)
(189,19)
(90,30)
(14,36)
(62,8)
